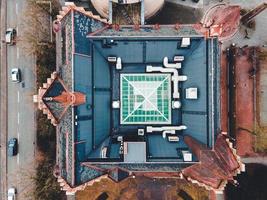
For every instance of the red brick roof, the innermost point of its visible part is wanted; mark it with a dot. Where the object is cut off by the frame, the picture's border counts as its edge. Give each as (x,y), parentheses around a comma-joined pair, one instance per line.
(217,166)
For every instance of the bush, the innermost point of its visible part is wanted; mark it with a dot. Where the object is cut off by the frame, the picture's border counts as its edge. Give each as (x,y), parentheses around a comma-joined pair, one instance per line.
(47,186)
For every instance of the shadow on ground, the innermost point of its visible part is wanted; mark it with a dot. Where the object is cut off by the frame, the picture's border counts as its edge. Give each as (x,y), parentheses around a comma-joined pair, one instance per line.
(172,13)
(142,188)
(252,184)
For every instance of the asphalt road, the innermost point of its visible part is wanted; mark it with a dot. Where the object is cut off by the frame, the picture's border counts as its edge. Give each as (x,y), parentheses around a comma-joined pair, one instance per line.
(21,110)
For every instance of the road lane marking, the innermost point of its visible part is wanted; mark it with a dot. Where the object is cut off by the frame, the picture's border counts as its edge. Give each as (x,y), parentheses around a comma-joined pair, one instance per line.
(18,136)
(18,96)
(17,8)
(17,53)
(18,158)
(18,118)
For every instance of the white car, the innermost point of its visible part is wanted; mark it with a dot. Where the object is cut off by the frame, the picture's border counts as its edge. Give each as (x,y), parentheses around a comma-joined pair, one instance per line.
(15,75)
(10,36)
(11,193)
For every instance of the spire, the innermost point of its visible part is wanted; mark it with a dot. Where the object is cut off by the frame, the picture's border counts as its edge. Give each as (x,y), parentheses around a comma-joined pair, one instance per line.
(69,98)
(54,98)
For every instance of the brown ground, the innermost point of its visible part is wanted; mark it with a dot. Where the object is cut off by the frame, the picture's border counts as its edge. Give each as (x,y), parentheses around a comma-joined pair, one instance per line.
(244,105)
(142,188)
(261,132)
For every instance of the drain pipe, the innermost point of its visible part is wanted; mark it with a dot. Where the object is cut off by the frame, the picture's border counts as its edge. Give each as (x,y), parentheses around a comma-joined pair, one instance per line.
(165,129)
(175,77)
(164,133)
(171,65)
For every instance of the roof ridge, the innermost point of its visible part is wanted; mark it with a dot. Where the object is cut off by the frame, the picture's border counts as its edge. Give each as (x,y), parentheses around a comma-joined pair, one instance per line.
(70,6)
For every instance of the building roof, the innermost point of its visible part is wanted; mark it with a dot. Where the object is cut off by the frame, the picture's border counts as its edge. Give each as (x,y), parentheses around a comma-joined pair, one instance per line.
(175,30)
(216,166)
(146,133)
(117,174)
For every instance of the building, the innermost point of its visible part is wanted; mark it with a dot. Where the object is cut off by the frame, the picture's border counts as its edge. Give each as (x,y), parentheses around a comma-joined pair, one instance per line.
(136,100)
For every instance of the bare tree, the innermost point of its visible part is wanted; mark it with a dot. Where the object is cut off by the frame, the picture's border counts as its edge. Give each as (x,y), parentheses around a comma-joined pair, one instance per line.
(36,26)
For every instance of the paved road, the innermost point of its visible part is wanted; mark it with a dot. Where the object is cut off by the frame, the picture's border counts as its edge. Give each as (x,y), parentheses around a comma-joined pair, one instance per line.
(3,101)
(21,113)
(258,160)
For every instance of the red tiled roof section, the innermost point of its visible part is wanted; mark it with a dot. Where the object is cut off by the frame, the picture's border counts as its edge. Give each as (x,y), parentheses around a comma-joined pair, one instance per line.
(69,6)
(65,98)
(226,154)
(203,175)
(217,166)
(214,164)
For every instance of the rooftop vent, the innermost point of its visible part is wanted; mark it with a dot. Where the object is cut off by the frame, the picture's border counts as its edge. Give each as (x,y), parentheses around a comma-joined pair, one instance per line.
(119,138)
(185,42)
(176,104)
(141,132)
(112,59)
(178,58)
(191,93)
(187,156)
(118,64)
(116,104)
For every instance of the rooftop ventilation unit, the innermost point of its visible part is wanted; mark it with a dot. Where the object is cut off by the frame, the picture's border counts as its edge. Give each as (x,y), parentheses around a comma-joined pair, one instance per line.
(112,59)
(185,42)
(178,58)
(119,138)
(187,156)
(173,139)
(104,152)
(191,93)
(116,104)
(141,132)
(176,104)
(118,64)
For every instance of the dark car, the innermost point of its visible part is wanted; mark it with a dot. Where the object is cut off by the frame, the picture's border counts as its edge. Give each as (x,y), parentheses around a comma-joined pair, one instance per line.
(12,147)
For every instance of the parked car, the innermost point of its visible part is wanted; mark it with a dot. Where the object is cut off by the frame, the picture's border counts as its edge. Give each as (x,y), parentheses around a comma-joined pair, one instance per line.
(15,75)
(11,34)
(12,147)
(11,193)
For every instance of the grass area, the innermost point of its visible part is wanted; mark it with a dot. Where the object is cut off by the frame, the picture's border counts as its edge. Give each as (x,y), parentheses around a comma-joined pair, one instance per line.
(260,143)
(142,188)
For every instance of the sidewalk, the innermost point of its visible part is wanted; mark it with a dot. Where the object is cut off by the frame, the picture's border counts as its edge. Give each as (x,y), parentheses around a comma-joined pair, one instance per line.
(259,160)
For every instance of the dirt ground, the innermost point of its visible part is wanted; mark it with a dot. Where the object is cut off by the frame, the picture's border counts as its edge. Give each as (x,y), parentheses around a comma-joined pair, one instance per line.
(142,188)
